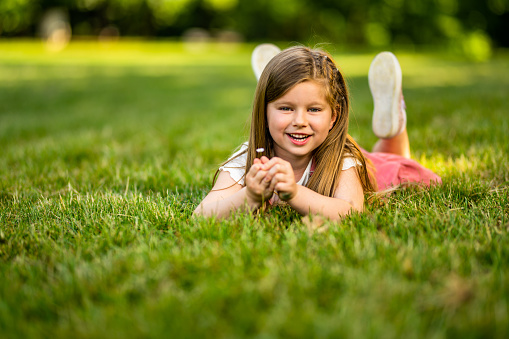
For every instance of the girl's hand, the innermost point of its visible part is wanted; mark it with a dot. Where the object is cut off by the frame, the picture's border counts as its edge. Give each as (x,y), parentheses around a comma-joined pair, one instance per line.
(259,187)
(280,174)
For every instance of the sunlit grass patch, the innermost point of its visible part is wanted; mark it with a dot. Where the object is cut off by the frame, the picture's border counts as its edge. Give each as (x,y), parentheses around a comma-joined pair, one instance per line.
(126,53)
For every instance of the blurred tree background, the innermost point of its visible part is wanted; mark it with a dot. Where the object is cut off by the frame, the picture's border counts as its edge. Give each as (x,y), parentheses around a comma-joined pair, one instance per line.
(468,24)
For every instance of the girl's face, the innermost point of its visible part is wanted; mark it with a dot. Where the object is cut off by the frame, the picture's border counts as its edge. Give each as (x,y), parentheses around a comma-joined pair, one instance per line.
(300,120)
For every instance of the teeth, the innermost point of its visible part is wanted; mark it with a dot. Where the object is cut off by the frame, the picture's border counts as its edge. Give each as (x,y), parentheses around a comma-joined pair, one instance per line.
(298,136)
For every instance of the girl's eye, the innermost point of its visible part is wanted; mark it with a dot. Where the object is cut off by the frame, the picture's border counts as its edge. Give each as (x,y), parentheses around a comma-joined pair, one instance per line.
(314,109)
(284,108)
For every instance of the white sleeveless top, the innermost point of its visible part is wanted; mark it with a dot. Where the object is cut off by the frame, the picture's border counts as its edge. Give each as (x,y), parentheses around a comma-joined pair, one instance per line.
(236,167)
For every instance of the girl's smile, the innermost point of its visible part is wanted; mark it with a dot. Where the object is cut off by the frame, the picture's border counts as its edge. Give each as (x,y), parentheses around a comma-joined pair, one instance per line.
(300,120)
(298,139)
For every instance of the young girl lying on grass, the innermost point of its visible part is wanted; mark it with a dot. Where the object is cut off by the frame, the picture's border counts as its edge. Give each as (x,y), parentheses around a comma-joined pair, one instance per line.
(299,151)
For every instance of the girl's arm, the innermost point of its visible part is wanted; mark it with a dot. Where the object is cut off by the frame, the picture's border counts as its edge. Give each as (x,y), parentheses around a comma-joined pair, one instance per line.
(348,197)
(227,195)
(349,194)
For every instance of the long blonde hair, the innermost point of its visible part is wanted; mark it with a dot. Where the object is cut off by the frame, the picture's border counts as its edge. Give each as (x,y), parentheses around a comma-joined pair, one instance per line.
(287,69)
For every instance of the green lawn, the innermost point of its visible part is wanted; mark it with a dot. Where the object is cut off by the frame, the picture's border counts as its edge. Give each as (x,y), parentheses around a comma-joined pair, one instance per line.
(105,150)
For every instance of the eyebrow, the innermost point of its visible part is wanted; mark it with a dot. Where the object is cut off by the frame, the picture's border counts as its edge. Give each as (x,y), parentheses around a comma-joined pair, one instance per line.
(314,103)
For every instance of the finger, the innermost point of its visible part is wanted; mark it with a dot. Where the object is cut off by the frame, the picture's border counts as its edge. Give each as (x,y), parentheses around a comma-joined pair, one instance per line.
(277,161)
(255,168)
(270,163)
(272,172)
(264,159)
(267,178)
(281,186)
(283,177)
(260,175)
(255,183)
(255,175)
(272,185)
(266,181)
(277,170)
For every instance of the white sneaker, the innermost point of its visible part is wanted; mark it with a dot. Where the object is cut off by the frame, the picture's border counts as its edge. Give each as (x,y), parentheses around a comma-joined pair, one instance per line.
(261,56)
(389,116)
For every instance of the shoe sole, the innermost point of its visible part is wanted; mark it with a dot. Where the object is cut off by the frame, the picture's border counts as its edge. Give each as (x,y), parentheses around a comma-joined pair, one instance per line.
(261,56)
(385,84)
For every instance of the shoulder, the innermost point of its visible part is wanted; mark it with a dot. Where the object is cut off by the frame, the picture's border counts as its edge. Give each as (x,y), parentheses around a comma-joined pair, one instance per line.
(236,164)
(349,161)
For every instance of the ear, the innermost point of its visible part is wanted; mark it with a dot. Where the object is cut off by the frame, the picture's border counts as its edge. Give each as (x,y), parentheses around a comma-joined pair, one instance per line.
(334,117)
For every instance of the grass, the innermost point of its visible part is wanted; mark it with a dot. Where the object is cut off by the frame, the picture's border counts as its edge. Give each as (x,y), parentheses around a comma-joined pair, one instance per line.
(106,150)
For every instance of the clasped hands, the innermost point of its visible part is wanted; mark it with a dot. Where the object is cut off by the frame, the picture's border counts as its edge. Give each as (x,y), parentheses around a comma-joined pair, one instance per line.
(268,175)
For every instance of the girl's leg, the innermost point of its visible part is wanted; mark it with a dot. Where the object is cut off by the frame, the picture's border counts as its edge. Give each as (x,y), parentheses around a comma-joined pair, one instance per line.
(389,116)
(398,144)
(261,56)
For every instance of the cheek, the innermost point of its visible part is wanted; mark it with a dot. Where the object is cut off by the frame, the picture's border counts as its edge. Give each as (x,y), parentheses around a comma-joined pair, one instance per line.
(272,124)
(276,122)
(325,124)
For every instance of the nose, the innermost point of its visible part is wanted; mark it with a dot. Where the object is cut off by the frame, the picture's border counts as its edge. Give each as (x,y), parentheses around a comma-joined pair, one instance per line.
(300,118)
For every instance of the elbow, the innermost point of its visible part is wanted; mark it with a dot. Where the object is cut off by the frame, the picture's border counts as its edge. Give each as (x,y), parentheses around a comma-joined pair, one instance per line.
(206,212)
(345,209)
(355,206)
(344,213)
(198,211)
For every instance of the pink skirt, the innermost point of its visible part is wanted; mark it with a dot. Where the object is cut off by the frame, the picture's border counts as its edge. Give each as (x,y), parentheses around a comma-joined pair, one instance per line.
(394,170)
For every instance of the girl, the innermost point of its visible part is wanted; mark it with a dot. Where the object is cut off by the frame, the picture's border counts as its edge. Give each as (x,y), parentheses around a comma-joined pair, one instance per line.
(299,151)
